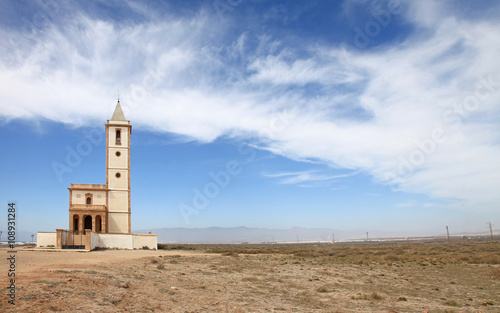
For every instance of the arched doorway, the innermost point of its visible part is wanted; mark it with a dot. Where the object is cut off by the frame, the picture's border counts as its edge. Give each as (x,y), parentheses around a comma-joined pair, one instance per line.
(75,223)
(98,224)
(87,222)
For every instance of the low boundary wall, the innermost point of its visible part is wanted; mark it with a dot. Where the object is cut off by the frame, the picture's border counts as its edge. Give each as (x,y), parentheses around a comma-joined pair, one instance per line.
(97,240)
(123,241)
(45,239)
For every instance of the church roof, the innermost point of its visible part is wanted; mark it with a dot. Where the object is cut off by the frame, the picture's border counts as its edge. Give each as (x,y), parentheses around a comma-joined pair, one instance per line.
(118,115)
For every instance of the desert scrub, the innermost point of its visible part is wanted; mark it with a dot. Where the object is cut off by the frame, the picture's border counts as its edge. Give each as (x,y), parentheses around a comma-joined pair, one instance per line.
(376,296)
(50,283)
(451,303)
(28,297)
(372,296)
(391,257)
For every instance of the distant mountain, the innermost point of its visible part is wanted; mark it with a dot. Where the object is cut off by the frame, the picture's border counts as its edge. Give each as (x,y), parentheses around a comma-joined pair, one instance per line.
(257,235)
(21,236)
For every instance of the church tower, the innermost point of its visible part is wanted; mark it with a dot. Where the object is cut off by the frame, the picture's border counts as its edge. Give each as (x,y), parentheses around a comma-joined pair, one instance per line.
(118,131)
(99,214)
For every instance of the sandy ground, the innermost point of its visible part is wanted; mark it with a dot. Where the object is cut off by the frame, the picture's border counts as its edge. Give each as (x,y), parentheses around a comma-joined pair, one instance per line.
(193,281)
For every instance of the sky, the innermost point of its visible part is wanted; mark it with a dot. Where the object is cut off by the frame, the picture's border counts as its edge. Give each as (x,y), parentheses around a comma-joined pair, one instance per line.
(352,115)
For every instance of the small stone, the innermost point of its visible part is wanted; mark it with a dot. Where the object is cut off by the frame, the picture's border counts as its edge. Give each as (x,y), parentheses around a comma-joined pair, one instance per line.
(125,285)
(70,279)
(174,288)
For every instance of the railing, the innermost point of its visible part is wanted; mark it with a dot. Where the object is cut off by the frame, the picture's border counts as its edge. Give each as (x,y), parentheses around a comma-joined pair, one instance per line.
(72,240)
(93,186)
(94,207)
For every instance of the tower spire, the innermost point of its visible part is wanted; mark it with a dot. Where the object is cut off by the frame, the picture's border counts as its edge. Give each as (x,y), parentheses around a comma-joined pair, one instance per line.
(118,114)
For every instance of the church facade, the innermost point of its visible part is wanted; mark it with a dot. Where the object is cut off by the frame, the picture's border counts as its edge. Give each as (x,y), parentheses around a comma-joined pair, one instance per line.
(100,214)
(106,208)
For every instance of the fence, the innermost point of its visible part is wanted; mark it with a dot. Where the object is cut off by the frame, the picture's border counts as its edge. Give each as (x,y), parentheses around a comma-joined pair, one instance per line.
(72,240)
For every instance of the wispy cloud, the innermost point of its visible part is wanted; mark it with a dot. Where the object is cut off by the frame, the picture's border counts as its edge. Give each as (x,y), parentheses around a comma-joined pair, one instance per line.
(368,110)
(305,176)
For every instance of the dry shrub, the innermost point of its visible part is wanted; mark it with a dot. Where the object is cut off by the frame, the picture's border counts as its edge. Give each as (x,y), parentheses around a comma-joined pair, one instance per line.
(451,303)
(485,259)
(376,296)
(391,257)
(495,274)
(234,254)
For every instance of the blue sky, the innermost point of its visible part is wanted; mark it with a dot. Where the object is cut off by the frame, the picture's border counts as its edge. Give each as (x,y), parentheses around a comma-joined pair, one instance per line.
(376,115)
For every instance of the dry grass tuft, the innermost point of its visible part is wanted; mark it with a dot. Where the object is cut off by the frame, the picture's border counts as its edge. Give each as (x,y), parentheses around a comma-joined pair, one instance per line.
(376,296)
(451,303)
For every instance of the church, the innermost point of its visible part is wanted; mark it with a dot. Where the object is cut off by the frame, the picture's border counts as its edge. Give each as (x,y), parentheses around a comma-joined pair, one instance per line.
(100,214)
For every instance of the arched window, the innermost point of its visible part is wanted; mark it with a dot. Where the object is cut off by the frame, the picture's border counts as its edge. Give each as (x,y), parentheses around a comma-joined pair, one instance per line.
(75,223)
(118,136)
(88,198)
(98,224)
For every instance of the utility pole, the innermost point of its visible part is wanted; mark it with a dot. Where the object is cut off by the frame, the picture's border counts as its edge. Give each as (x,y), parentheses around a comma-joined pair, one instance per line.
(491,231)
(333,238)
(297,238)
(448,233)
(32,238)
(367,237)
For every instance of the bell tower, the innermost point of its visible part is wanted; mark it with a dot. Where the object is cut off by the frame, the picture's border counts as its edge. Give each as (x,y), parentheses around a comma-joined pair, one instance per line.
(118,131)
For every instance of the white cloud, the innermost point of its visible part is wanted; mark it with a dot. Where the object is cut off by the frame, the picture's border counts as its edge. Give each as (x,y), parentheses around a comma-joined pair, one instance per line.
(373,110)
(305,176)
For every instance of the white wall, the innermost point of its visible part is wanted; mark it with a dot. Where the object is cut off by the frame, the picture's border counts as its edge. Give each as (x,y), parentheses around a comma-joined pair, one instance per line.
(44,239)
(120,241)
(112,241)
(149,241)
(93,240)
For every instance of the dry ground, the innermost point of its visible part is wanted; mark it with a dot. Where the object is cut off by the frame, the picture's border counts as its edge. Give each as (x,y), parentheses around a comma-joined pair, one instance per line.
(458,277)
